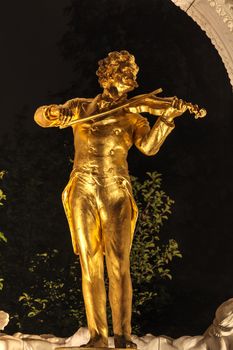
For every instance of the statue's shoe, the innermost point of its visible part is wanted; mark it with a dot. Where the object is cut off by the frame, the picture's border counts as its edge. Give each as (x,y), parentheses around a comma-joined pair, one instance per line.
(121,341)
(96,342)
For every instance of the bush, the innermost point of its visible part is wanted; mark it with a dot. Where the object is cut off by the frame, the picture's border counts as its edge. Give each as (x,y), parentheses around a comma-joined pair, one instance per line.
(150,259)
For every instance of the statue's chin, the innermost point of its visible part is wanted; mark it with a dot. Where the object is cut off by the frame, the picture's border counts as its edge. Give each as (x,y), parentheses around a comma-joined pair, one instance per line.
(114,93)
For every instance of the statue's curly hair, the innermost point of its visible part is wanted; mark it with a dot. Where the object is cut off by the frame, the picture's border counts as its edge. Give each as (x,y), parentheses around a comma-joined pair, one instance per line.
(112,67)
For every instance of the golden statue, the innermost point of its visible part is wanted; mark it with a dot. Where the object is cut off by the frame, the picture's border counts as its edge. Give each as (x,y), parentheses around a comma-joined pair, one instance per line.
(98,199)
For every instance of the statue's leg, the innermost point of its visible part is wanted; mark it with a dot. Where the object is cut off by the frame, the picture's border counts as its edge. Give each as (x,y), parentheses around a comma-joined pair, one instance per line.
(86,225)
(116,214)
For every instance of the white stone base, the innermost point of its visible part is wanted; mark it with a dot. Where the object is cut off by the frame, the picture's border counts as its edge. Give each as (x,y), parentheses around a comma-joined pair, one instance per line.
(219,336)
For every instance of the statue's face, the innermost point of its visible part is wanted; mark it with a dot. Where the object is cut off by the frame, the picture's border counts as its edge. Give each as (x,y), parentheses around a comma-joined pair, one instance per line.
(117,73)
(126,81)
(120,82)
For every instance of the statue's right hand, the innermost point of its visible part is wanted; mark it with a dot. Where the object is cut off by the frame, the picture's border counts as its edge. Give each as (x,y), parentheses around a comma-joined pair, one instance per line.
(54,111)
(58,112)
(65,115)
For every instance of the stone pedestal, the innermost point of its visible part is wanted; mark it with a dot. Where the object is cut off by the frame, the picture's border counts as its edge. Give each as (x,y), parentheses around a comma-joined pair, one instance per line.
(78,348)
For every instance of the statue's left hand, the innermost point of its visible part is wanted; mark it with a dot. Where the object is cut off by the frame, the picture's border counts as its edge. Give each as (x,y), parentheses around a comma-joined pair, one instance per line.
(177,108)
(180,106)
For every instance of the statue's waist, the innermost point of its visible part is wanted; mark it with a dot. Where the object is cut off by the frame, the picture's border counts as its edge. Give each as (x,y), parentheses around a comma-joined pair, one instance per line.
(104,177)
(101,170)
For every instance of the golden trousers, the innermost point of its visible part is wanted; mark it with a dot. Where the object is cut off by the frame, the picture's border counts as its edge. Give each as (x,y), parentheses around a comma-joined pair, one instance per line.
(102,214)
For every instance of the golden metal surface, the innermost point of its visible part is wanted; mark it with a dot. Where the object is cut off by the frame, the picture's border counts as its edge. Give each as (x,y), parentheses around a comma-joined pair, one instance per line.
(98,199)
(77,120)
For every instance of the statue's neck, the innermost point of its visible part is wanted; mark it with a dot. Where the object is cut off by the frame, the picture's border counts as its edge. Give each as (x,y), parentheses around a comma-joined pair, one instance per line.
(108,101)
(112,95)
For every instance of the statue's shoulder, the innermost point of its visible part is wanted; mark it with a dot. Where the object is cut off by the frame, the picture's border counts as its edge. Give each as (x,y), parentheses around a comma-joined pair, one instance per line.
(78,101)
(139,120)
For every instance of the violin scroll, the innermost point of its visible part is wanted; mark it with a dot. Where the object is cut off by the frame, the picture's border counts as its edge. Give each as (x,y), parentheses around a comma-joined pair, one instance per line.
(194,109)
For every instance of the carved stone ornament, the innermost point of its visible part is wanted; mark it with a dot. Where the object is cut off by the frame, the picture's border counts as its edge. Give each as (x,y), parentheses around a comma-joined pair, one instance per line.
(215,17)
(183,4)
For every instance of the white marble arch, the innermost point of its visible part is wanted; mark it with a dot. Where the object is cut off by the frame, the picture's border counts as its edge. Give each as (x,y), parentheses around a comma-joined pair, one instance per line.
(215,17)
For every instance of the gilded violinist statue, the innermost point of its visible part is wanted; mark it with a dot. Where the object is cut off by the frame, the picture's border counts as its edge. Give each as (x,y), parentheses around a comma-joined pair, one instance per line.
(98,199)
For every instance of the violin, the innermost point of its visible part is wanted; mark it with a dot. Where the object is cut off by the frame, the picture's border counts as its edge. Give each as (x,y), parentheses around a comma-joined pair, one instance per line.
(145,103)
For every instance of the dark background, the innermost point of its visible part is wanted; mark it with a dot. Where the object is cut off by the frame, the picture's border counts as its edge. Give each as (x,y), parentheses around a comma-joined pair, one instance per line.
(49,53)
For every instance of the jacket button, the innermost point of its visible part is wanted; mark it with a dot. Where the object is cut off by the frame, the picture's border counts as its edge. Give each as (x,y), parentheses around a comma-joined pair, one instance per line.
(91,149)
(94,128)
(117,131)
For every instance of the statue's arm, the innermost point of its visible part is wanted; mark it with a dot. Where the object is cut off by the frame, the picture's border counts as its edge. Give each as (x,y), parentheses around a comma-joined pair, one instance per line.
(149,140)
(191,343)
(57,115)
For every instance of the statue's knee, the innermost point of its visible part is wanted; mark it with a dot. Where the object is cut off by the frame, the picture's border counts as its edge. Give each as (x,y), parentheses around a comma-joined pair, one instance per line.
(119,269)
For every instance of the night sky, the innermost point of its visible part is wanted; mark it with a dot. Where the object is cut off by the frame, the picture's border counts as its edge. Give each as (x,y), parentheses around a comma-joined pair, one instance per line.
(196,160)
(31,65)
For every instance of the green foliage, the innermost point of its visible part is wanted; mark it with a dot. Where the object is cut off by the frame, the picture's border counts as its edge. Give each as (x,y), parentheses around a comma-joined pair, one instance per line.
(34,216)
(3,237)
(55,295)
(2,194)
(150,258)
